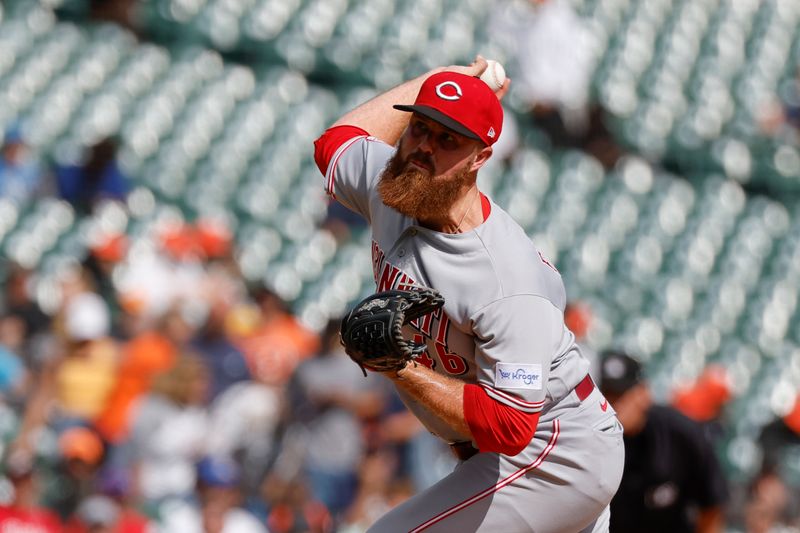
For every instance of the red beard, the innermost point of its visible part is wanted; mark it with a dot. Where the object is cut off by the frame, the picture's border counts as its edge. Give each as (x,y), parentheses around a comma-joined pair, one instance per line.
(415,192)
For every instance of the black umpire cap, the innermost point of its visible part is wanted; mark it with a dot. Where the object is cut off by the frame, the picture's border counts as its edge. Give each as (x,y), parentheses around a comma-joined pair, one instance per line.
(618,373)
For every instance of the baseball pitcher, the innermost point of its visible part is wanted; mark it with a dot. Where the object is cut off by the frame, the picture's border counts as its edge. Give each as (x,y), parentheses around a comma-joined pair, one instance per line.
(468,317)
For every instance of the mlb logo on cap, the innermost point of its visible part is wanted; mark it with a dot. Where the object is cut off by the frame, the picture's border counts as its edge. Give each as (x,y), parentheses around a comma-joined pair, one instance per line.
(463,103)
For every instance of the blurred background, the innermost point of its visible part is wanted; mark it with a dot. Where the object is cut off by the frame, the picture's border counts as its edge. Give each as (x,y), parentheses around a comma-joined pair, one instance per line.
(173,274)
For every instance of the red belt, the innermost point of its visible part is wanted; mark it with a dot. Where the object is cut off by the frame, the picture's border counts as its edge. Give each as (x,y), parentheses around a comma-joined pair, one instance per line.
(584,388)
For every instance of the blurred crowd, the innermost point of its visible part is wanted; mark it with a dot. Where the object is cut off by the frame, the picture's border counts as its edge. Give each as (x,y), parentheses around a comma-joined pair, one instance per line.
(158,391)
(176,398)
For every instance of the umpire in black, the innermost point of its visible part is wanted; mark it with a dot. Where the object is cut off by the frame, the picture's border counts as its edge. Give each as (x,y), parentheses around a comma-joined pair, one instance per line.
(672,481)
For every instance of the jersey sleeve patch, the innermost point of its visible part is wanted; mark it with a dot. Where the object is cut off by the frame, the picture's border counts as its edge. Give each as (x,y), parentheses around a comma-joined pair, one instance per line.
(518,376)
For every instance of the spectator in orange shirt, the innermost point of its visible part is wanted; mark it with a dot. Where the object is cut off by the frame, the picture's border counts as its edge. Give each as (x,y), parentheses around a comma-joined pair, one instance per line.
(704,400)
(279,343)
(150,353)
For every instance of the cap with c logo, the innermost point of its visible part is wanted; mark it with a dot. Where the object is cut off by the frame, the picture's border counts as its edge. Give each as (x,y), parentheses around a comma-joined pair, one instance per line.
(463,103)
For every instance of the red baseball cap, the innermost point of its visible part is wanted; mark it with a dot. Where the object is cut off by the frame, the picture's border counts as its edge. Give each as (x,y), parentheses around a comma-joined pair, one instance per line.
(463,103)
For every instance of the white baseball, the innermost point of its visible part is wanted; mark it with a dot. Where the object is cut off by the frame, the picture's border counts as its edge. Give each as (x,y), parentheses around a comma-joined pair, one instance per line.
(495,75)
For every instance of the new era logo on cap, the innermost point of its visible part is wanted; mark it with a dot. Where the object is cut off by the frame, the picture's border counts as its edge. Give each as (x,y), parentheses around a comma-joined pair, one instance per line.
(463,103)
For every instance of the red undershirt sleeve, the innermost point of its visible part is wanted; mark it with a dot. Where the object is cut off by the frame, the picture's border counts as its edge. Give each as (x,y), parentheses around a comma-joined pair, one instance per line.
(330,141)
(497,427)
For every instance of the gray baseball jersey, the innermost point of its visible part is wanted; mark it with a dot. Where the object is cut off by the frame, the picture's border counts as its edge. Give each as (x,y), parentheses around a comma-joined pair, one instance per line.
(502,328)
(502,324)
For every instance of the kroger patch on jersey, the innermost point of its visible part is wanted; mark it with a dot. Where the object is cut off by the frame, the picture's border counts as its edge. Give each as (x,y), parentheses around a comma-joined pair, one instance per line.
(518,376)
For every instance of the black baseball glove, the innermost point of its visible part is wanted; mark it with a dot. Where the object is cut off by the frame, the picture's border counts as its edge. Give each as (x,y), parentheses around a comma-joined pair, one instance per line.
(372,332)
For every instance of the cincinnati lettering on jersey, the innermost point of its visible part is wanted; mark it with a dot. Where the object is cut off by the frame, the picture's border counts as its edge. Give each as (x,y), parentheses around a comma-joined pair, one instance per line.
(389,277)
